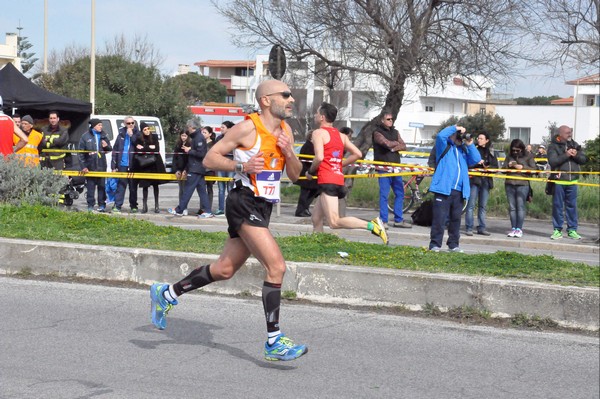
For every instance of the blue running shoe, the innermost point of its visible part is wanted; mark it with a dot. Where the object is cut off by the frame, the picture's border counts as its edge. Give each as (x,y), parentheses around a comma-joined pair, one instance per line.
(284,349)
(159,306)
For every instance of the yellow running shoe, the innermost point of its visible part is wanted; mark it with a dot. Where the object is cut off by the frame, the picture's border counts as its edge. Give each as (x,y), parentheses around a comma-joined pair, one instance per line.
(379,230)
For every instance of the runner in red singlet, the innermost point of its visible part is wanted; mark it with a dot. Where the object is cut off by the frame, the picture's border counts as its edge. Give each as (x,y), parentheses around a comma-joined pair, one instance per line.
(327,165)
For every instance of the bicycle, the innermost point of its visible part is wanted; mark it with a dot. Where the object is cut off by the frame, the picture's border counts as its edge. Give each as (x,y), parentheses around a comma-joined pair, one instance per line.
(413,196)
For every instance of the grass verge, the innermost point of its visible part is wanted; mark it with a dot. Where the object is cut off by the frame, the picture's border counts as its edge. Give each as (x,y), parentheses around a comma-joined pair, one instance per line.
(46,223)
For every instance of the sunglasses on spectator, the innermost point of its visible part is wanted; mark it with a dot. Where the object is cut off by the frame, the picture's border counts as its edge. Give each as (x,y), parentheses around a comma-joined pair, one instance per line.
(516,150)
(284,94)
(389,119)
(130,123)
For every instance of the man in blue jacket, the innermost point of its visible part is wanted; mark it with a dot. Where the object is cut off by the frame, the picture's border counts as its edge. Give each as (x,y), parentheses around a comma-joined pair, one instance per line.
(455,152)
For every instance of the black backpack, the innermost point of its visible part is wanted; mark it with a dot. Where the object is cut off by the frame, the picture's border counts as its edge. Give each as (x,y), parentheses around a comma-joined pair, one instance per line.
(423,215)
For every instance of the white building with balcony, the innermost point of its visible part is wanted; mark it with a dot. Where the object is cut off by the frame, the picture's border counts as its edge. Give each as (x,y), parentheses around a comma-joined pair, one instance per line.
(358,98)
(9,51)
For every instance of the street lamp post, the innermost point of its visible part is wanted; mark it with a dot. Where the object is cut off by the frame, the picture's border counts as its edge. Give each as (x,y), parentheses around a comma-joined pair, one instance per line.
(93,59)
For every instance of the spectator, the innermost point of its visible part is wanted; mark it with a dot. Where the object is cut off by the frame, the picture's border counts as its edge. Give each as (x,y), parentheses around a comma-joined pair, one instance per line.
(180,160)
(209,136)
(94,143)
(329,147)
(541,157)
(122,162)
(348,182)
(529,149)
(147,159)
(517,190)
(387,145)
(224,186)
(17,119)
(55,137)
(480,186)
(565,155)
(455,151)
(30,153)
(309,189)
(8,128)
(195,172)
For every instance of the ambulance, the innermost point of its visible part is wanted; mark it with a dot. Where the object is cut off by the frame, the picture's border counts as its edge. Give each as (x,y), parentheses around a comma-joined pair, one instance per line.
(214,114)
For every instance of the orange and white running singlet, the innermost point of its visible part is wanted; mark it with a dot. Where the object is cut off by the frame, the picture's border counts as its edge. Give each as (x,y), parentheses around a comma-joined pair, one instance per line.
(266,184)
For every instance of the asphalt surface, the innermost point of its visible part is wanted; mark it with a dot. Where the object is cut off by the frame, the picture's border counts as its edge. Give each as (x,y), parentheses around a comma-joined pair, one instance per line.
(535,241)
(65,340)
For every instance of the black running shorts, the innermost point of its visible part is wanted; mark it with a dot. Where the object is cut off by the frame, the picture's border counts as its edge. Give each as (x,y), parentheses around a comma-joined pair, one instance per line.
(333,190)
(243,207)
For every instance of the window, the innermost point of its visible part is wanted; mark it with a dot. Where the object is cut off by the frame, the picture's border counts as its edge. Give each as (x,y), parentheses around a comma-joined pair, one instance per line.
(230,99)
(590,101)
(429,108)
(244,72)
(523,133)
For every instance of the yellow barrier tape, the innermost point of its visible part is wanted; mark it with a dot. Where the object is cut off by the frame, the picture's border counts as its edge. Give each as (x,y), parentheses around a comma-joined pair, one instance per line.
(132,175)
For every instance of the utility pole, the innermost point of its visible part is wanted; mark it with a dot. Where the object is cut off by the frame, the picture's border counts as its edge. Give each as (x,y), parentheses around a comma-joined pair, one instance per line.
(93,59)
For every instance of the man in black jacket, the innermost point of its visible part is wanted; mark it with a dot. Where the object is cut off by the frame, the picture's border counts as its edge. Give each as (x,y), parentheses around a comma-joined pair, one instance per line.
(122,158)
(565,155)
(195,172)
(94,143)
(386,146)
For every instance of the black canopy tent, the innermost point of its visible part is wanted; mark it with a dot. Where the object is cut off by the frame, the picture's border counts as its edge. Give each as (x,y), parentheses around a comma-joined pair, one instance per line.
(28,98)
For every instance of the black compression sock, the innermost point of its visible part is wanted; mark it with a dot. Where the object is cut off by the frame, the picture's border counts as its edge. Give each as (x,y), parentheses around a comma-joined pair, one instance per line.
(198,278)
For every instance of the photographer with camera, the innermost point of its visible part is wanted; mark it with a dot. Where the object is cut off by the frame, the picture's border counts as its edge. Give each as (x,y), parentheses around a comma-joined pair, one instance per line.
(455,152)
(565,155)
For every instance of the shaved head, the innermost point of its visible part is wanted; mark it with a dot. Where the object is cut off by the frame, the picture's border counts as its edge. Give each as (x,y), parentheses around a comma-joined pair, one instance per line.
(269,86)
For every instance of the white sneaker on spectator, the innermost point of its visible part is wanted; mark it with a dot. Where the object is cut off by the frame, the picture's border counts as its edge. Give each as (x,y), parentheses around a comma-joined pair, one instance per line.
(518,233)
(512,233)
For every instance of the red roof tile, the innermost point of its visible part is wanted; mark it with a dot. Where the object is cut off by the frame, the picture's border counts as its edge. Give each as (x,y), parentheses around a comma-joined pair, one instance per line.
(588,80)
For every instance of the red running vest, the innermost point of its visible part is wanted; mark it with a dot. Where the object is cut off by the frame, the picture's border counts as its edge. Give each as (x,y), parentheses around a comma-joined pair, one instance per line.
(330,169)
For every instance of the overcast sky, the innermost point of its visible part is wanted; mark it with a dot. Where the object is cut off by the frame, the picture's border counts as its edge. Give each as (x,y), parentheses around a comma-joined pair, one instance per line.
(184,31)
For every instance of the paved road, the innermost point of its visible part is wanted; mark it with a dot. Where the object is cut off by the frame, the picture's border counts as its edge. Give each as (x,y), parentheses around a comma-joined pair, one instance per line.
(536,240)
(64,340)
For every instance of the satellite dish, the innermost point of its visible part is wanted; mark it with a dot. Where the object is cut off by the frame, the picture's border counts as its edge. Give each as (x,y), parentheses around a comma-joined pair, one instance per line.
(277,63)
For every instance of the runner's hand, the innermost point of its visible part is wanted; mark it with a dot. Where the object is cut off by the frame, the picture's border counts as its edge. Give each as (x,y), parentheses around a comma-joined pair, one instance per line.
(255,164)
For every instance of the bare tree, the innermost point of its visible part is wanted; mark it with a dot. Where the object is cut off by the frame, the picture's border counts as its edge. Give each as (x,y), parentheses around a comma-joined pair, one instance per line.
(566,34)
(136,49)
(396,41)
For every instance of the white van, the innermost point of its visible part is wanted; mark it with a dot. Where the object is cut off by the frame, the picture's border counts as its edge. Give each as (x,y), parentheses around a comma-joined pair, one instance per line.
(112,123)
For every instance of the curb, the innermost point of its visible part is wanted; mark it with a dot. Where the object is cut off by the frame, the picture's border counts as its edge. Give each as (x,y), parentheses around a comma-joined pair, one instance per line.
(324,283)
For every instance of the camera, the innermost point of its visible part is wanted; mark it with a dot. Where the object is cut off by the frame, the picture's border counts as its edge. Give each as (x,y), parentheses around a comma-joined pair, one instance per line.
(463,136)
(572,145)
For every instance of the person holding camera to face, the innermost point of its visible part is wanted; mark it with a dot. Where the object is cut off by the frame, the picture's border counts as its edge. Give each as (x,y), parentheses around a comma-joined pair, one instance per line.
(517,190)
(480,186)
(565,156)
(455,152)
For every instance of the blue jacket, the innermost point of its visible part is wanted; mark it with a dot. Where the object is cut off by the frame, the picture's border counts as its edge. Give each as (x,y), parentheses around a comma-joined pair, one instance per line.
(197,153)
(119,147)
(453,168)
